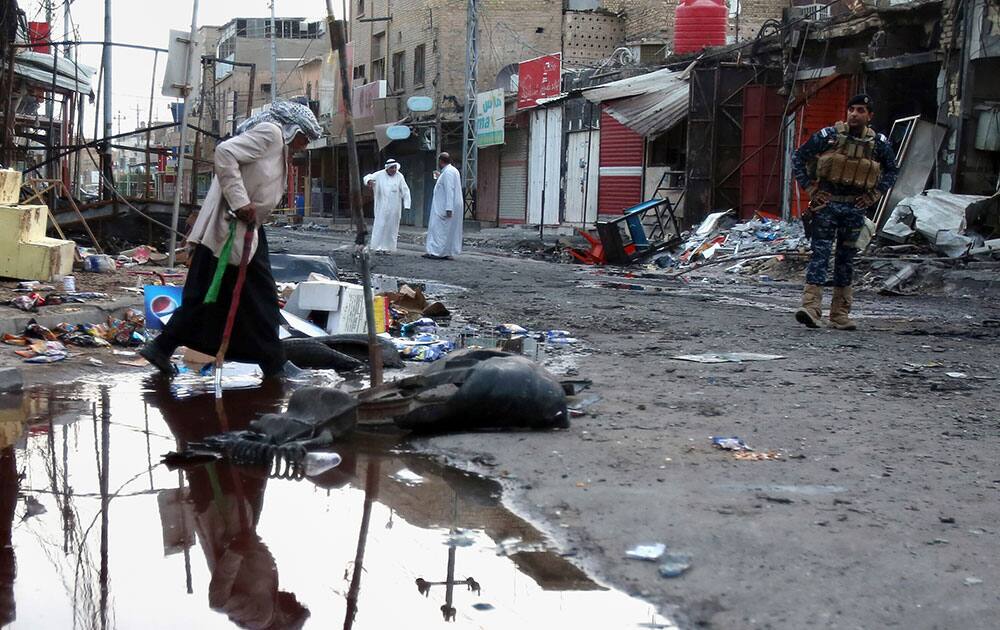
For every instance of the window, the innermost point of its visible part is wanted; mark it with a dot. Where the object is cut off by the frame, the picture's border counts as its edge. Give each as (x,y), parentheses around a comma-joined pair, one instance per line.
(399,71)
(359,72)
(361,7)
(265,88)
(378,57)
(418,65)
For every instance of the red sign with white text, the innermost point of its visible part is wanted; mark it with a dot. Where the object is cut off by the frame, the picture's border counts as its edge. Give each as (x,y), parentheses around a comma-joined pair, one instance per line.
(538,79)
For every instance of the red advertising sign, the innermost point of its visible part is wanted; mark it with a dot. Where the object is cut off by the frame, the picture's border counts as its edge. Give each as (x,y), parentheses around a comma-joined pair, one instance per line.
(538,79)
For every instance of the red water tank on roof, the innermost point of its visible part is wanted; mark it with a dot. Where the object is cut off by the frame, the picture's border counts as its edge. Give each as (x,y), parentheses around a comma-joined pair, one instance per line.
(700,23)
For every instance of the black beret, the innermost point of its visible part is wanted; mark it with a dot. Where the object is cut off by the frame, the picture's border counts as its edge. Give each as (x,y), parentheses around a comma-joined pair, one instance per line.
(861,99)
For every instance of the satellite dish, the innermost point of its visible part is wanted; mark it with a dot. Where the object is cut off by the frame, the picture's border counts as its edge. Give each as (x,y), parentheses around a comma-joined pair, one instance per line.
(420,104)
(398,132)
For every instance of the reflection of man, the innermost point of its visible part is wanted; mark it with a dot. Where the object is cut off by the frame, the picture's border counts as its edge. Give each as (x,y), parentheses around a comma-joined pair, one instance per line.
(845,169)
(227,504)
(391,195)
(444,228)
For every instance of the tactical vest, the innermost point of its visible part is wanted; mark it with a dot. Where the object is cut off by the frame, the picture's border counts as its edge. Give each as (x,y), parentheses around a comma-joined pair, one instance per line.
(849,161)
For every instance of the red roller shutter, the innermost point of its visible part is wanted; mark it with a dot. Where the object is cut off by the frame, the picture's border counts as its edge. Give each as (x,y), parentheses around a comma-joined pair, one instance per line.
(760,174)
(621,156)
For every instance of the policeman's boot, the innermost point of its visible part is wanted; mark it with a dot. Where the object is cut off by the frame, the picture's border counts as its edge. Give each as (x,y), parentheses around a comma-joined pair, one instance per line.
(811,313)
(840,309)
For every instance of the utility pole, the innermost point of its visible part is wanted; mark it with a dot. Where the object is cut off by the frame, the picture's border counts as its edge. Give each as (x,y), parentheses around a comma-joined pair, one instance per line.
(185,117)
(50,111)
(106,63)
(274,54)
(470,145)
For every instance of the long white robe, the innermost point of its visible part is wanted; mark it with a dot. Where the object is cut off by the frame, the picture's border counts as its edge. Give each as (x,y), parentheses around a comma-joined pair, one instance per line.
(444,233)
(391,194)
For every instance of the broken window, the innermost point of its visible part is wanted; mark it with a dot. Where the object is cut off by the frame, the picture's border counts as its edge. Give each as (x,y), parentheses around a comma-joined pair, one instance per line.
(378,57)
(399,71)
(418,65)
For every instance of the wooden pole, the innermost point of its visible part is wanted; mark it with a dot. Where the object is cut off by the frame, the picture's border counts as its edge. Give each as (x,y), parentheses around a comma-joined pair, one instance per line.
(337,33)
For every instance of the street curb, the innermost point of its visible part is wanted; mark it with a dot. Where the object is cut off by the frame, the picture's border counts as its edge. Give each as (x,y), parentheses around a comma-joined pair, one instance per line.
(93,313)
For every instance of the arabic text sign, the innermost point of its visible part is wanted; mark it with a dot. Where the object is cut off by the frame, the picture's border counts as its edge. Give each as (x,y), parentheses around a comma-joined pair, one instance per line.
(489,118)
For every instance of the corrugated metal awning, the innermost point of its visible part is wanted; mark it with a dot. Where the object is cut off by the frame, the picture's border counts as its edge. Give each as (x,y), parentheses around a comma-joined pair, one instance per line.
(37,69)
(649,104)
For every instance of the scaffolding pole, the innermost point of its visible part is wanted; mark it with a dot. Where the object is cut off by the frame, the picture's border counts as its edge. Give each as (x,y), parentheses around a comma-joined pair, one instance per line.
(470,145)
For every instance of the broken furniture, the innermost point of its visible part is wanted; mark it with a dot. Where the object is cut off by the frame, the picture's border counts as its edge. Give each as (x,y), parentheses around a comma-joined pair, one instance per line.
(640,232)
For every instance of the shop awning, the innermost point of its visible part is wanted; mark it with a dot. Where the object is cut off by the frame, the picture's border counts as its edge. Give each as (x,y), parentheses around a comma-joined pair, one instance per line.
(649,104)
(36,68)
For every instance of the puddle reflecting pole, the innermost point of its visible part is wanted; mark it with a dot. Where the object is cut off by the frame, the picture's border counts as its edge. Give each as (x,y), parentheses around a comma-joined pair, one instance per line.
(105,499)
(371,491)
(338,41)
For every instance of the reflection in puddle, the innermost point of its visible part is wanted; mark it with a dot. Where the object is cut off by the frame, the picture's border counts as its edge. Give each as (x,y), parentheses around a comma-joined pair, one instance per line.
(94,533)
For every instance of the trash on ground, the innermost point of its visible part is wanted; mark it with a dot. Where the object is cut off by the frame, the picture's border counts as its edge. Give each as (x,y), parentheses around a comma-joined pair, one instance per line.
(956,375)
(674,564)
(297,268)
(651,551)
(289,445)
(972,581)
(727,357)
(757,457)
(730,443)
(938,217)
(469,390)
(407,477)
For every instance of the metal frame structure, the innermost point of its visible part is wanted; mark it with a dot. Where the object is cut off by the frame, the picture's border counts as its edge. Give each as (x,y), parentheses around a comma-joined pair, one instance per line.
(470,145)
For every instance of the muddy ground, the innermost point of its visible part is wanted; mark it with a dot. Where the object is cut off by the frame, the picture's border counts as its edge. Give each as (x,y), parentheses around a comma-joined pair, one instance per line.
(883,509)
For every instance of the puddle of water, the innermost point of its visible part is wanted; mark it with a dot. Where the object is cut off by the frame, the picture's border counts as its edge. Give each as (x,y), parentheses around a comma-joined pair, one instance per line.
(94,533)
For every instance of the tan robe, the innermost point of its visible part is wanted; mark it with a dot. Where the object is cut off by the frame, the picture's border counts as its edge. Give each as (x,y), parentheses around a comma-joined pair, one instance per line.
(249,167)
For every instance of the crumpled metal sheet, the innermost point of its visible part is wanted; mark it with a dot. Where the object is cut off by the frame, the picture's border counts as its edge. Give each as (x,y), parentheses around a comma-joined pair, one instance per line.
(936,215)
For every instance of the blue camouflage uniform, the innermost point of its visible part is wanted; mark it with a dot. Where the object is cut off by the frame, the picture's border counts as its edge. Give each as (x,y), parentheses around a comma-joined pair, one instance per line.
(838,220)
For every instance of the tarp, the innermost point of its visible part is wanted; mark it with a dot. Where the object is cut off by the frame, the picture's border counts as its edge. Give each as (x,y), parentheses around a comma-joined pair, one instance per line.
(37,68)
(649,104)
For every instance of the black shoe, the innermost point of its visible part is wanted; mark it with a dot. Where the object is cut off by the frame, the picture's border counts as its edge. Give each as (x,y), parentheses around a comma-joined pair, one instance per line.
(157,358)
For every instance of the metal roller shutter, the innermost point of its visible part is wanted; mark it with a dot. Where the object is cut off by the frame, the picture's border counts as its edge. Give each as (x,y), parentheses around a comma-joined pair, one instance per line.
(621,159)
(514,176)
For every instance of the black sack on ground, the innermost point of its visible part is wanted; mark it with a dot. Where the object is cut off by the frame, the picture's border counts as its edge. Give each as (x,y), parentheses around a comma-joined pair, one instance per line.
(485,389)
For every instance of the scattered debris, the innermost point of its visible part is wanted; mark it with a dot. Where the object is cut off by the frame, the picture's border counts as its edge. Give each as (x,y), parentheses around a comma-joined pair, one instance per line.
(407,477)
(727,357)
(972,581)
(674,564)
(730,443)
(650,551)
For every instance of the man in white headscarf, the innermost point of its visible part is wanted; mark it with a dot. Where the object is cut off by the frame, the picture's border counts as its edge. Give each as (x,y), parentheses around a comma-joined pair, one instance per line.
(249,183)
(444,229)
(391,194)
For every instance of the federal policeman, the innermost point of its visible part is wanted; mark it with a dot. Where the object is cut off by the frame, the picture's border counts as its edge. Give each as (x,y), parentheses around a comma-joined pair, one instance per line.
(845,169)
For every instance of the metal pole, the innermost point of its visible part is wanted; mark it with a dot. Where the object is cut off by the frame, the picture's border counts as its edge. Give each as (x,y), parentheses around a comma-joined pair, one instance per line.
(185,116)
(149,123)
(337,32)
(274,55)
(108,110)
(470,144)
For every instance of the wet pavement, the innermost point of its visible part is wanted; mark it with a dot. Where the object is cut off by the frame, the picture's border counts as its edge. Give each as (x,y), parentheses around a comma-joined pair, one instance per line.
(95,533)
